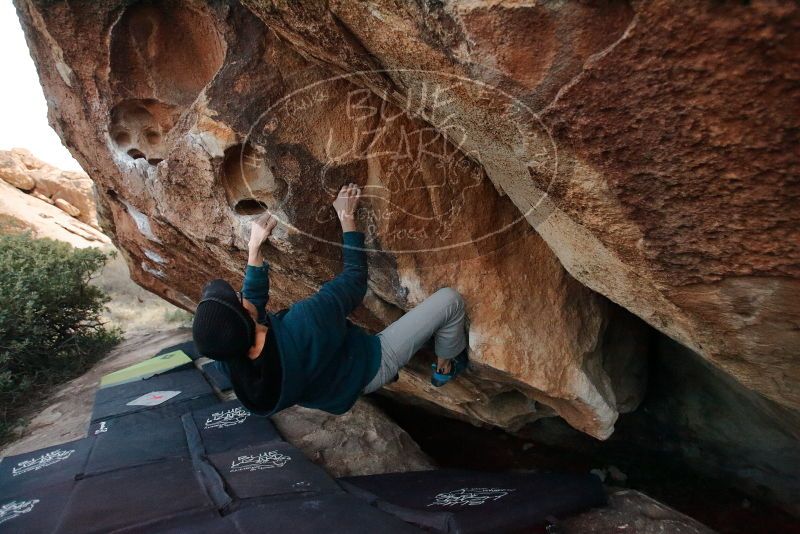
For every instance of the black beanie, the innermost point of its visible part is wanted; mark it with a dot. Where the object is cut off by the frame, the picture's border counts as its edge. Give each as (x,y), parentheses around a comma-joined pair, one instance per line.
(222,329)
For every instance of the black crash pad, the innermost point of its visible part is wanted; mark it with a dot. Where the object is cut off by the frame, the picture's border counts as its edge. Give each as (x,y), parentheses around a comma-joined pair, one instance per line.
(476,502)
(187,347)
(230,426)
(138,495)
(270,469)
(312,514)
(217,378)
(194,522)
(142,437)
(36,510)
(34,471)
(115,400)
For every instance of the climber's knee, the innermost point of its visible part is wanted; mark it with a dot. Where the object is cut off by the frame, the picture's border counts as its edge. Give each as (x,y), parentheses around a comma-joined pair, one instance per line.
(451,297)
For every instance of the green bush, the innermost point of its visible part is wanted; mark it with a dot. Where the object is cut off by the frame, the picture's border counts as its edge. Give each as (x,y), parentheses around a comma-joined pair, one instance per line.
(50,325)
(178,316)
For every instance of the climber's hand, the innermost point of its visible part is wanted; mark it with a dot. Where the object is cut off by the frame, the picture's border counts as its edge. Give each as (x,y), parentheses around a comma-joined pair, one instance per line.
(260,231)
(345,205)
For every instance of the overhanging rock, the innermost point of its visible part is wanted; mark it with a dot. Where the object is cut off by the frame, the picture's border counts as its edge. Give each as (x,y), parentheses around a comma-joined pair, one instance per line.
(467,129)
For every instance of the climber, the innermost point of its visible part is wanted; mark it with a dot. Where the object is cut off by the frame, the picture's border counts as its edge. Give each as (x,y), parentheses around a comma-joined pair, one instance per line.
(310,354)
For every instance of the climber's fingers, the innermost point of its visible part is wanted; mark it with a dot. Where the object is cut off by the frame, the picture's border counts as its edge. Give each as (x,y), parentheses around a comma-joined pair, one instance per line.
(350,190)
(264,220)
(267,223)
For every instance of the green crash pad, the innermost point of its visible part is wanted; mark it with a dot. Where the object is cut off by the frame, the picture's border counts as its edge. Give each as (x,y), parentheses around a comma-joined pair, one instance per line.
(154,366)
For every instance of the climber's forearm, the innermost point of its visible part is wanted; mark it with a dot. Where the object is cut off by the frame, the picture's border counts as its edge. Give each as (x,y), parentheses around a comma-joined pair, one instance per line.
(260,231)
(255,287)
(254,256)
(348,224)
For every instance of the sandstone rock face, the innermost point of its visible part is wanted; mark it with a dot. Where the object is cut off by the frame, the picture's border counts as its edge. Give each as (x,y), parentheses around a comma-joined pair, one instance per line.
(648,145)
(70,191)
(44,220)
(42,197)
(364,441)
(697,419)
(12,172)
(66,207)
(186,154)
(745,438)
(632,511)
(667,178)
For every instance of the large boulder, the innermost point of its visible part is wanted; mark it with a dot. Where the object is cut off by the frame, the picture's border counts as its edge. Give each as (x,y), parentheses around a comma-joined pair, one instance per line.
(44,220)
(66,207)
(13,173)
(71,191)
(204,117)
(649,146)
(364,441)
(632,511)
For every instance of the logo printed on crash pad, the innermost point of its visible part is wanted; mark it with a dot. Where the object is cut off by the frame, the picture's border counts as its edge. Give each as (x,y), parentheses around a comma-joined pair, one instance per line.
(103,428)
(45,460)
(265,460)
(234,416)
(469,496)
(16,509)
(154,398)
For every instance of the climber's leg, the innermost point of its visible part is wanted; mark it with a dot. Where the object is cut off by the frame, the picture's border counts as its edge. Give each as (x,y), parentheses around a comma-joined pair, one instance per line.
(441,316)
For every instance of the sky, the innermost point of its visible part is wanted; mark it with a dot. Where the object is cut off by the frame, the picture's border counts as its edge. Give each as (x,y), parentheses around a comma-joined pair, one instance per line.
(23,110)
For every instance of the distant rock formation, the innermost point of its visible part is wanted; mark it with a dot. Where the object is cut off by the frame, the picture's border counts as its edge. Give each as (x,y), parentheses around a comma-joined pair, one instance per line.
(519,152)
(71,192)
(14,173)
(44,220)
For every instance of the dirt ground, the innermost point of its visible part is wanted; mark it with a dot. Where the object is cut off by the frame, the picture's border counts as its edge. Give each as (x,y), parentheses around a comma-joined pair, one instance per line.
(132,308)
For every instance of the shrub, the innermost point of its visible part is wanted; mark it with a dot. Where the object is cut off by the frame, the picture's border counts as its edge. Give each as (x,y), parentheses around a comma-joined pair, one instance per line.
(178,316)
(12,225)
(50,326)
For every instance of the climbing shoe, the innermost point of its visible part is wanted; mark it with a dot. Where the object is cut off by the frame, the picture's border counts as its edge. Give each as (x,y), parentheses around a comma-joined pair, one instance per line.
(457,364)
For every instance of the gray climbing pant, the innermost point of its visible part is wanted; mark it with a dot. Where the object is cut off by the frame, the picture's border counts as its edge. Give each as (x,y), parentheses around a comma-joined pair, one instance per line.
(440,316)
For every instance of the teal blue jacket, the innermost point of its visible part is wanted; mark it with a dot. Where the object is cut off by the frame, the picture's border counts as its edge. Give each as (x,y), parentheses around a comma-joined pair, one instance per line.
(326,360)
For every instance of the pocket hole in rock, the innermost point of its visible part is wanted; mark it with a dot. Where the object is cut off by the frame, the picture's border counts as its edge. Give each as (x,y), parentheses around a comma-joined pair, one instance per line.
(152,137)
(167,50)
(165,53)
(138,126)
(249,206)
(249,183)
(122,138)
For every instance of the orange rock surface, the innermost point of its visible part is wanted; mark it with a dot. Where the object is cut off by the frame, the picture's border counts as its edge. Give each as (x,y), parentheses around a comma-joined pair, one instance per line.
(519,152)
